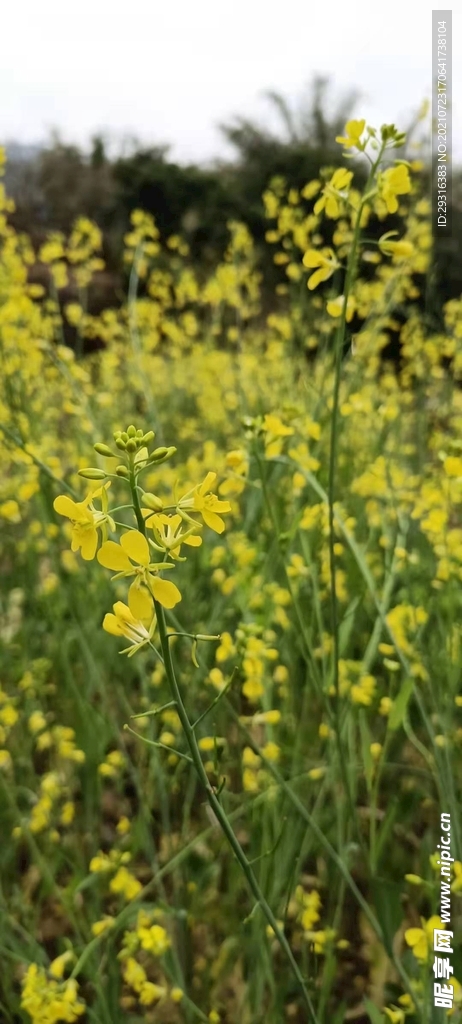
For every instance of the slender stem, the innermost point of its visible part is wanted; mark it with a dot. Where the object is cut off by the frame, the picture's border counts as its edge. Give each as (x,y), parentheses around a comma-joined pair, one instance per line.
(212,797)
(333,458)
(220,813)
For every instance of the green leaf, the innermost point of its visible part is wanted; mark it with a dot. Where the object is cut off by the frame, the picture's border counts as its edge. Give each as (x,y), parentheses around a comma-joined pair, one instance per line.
(388,907)
(347,624)
(366,740)
(339,1016)
(398,710)
(375,1016)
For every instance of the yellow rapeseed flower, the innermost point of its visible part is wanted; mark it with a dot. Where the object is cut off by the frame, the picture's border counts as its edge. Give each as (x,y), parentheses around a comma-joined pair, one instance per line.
(399,250)
(85,519)
(335,307)
(393,182)
(334,193)
(326,263)
(201,499)
(122,622)
(353,130)
(125,883)
(132,558)
(421,939)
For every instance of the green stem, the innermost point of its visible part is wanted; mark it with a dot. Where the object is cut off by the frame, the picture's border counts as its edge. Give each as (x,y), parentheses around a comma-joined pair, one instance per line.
(333,458)
(220,813)
(212,798)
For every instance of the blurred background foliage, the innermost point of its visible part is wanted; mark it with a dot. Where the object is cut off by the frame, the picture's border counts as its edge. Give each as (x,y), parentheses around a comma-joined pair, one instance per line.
(54,184)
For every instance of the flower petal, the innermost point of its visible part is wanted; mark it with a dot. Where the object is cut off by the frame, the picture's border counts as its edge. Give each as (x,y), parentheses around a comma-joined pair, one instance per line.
(213,521)
(207,483)
(413,936)
(65,506)
(312,258)
(140,603)
(111,556)
(165,592)
(89,543)
(111,625)
(136,547)
(123,613)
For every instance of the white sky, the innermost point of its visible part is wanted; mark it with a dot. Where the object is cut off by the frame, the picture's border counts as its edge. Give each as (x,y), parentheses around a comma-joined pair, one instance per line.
(171,70)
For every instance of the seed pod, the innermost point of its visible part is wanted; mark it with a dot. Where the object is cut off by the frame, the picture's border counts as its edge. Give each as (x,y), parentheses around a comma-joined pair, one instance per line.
(92,474)
(103,449)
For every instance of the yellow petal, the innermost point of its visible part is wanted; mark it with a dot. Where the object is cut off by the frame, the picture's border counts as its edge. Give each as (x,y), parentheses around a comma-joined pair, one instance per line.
(123,613)
(194,541)
(111,625)
(165,592)
(312,258)
(111,556)
(206,485)
(136,547)
(322,274)
(225,506)
(213,521)
(413,935)
(89,543)
(140,603)
(332,207)
(65,506)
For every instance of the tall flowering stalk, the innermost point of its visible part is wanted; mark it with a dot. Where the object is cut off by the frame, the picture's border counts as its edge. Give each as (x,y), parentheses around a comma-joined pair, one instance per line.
(339,199)
(150,594)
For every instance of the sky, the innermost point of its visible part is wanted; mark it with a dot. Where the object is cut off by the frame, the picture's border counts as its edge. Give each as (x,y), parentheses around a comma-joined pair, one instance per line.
(169,71)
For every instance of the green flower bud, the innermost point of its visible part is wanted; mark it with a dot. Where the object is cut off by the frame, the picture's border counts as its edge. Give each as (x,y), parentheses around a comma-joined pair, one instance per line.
(152,501)
(158,454)
(147,438)
(120,443)
(161,454)
(124,436)
(92,474)
(122,471)
(116,434)
(131,430)
(131,445)
(103,449)
(139,433)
